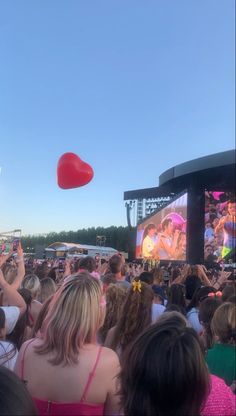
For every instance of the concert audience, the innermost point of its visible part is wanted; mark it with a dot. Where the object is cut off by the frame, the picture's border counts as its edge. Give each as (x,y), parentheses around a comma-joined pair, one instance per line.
(64,363)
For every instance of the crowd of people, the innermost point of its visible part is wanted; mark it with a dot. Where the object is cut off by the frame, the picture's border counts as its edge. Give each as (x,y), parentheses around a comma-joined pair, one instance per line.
(97,338)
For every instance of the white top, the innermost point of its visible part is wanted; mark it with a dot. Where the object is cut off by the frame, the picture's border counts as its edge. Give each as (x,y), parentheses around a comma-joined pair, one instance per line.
(5,348)
(157,310)
(12,314)
(192,317)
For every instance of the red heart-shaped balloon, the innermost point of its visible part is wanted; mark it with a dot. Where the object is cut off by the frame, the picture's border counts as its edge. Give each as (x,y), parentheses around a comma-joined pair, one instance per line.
(73,172)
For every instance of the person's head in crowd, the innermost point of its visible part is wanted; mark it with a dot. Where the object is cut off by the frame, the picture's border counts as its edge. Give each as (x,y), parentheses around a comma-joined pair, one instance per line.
(200,294)
(32,283)
(224,323)
(48,288)
(107,279)
(14,396)
(164,371)
(87,263)
(42,270)
(192,282)
(22,327)
(53,274)
(124,270)
(115,264)
(146,277)
(176,296)
(75,314)
(115,297)
(228,291)
(159,294)
(136,315)
(207,309)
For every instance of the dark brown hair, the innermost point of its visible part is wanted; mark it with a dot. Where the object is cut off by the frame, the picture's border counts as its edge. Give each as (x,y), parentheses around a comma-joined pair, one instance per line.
(176,296)
(164,371)
(14,397)
(115,264)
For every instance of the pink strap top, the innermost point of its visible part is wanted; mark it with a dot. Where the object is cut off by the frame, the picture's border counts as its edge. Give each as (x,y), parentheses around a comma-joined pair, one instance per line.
(81,408)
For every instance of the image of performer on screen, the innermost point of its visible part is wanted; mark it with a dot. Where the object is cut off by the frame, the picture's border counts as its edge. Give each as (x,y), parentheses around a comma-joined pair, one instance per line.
(227,225)
(149,243)
(167,240)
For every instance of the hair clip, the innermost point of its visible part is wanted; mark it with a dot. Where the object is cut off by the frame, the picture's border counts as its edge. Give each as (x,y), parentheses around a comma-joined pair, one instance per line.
(218,294)
(136,285)
(211,295)
(214,295)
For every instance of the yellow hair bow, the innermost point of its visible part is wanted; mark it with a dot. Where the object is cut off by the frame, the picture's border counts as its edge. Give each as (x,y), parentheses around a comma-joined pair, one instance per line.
(136,285)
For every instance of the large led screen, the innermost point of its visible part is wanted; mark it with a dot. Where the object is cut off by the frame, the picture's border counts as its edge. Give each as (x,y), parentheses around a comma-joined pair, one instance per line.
(220,226)
(162,236)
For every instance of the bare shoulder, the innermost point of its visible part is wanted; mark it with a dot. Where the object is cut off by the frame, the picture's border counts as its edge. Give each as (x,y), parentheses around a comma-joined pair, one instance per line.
(110,356)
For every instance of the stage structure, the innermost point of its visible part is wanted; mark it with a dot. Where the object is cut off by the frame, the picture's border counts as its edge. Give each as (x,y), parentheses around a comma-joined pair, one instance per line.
(200,177)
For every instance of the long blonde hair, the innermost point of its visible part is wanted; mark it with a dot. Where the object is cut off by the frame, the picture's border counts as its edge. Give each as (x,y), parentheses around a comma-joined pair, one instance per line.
(32,283)
(73,318)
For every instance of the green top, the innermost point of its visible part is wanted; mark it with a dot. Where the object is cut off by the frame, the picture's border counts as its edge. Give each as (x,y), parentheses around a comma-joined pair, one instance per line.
(221,362)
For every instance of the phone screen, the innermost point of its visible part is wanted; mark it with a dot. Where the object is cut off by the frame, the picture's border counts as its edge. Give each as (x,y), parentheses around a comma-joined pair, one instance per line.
(16,244)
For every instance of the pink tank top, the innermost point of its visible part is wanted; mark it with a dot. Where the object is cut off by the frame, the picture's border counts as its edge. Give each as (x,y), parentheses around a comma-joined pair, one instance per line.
(81,408)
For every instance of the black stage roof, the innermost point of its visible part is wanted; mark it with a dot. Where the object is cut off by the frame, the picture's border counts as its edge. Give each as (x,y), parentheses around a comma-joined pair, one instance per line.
(213,172)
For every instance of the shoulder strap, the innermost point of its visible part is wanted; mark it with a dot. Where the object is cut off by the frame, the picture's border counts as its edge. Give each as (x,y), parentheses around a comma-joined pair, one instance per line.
(23,360)
(91,375)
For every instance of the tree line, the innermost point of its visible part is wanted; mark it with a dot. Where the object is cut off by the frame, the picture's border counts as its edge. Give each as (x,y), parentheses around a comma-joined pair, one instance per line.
(120,238)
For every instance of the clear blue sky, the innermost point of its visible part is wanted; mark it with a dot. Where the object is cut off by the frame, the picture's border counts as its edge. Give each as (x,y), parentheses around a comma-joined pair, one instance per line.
(133,87)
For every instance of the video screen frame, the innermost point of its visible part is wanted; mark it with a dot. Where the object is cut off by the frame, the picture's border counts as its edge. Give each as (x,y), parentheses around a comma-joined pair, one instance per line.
(179,225)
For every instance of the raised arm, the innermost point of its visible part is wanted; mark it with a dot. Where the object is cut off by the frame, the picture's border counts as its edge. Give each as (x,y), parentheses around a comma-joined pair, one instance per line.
(20,268)
(11,294)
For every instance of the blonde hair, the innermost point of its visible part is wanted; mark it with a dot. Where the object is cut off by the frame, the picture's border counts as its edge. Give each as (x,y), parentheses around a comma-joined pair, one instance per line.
(223,324)
(32,283)
(48,288)
(73,318)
